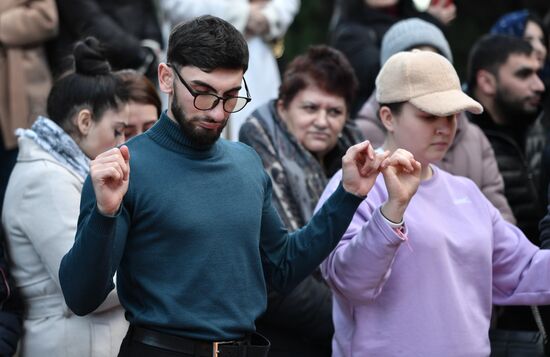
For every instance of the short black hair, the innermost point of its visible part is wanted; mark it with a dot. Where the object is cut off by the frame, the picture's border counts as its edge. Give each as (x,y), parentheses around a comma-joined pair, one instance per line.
(208,42)
(91,85)
(492,51)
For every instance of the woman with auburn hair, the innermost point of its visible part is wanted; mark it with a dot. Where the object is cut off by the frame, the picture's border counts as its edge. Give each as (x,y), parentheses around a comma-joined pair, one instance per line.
(144,102)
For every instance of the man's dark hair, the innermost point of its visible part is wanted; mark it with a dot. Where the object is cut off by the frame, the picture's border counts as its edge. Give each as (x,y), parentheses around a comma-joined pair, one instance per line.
(323,67)
(207,42)
(492,51)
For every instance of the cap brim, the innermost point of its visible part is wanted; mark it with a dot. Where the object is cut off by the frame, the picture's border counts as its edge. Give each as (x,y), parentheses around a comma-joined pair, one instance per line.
(446,103)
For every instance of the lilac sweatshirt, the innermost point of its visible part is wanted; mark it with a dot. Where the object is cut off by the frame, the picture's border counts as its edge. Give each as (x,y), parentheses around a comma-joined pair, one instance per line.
(432,294)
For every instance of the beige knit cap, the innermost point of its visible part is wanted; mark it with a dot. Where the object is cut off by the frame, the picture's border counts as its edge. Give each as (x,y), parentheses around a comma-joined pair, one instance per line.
(426,80)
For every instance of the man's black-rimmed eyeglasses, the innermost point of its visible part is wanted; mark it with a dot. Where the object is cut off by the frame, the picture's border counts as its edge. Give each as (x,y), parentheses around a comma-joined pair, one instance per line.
(208,101)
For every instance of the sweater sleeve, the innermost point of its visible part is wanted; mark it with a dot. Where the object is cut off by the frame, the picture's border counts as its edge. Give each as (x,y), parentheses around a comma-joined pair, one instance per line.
(87,270)
(361,263)
(30,23)
(288,258)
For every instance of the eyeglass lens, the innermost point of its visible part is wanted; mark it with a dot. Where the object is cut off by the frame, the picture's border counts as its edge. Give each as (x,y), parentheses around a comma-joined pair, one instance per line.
(230,105)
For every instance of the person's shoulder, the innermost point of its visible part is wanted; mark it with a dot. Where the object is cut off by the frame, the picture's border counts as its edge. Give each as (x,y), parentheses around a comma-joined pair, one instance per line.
(137,141)
(245,159)
(239,149)
(140,146)
(36,164)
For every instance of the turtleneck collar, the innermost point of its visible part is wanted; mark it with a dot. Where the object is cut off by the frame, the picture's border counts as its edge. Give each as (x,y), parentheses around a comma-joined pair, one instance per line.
(167,133)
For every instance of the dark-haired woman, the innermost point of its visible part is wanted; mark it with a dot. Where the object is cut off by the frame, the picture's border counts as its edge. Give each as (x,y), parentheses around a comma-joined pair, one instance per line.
(87,114)
(301,138)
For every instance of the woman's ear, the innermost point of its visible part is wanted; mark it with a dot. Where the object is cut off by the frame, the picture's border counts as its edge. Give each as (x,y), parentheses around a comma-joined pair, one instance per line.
(387,118)
(166,78)
(84,121)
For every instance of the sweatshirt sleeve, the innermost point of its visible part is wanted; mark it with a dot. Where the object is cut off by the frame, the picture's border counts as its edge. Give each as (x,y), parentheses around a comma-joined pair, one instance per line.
(87,270)
(521,271)
(361,263)
(288,258)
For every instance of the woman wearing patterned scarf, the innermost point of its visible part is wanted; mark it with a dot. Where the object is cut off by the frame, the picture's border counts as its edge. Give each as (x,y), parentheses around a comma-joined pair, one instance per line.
(301,138)
(87,115)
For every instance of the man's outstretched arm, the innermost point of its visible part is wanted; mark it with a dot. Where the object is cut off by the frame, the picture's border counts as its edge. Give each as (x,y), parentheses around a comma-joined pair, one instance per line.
(87,270)
(288,258)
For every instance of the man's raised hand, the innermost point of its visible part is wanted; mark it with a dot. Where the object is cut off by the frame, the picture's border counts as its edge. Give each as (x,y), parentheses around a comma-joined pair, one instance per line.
(110,173)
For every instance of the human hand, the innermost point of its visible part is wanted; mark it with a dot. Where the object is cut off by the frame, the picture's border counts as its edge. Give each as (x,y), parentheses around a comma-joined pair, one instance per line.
(443,11)
(110,173)
(360,167)
(402,177)
(257,24)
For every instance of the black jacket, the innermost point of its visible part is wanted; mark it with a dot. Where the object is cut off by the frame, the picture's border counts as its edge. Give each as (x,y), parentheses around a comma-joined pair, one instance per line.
(519,155)
(120,25)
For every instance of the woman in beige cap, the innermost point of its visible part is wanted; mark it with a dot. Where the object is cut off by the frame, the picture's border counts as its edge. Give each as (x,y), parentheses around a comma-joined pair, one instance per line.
(416,274)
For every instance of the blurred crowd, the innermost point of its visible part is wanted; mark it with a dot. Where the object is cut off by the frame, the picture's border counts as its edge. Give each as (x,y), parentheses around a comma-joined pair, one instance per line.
(80,77)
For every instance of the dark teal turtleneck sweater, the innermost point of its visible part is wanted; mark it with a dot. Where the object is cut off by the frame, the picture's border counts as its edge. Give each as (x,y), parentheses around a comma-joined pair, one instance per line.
(196,239)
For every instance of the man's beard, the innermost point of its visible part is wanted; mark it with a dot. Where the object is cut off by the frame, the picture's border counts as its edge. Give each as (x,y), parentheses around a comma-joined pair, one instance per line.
(513,112)
(197,135)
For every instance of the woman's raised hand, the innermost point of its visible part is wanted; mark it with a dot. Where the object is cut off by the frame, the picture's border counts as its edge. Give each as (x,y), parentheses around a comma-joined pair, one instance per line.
(402,177)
